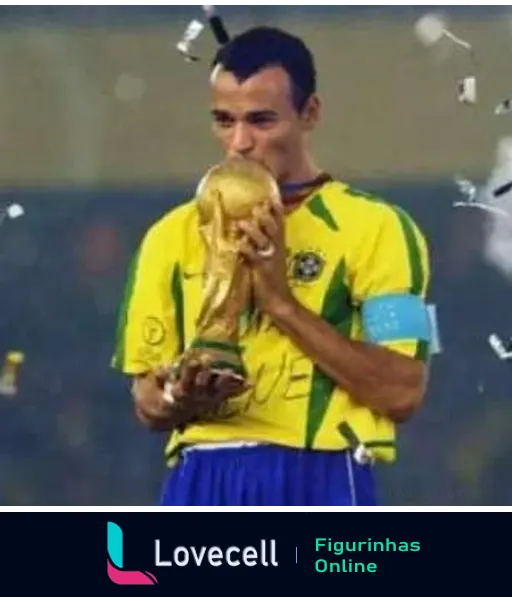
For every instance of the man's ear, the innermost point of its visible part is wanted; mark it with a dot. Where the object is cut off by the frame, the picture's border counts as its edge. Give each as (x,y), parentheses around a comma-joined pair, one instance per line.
(311,113)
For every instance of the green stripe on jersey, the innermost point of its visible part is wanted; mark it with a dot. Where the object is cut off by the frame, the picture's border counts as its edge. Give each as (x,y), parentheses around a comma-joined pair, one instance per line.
(318,208)
(411,239)
(118,361)
(422,351)
(337,311)
(179,311)
(413,250)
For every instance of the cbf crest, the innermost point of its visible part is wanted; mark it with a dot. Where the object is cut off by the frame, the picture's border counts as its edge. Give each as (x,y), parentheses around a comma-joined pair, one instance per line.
(307,266)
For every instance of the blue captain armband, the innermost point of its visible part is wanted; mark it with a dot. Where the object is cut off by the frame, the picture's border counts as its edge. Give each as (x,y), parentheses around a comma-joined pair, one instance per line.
(395,317)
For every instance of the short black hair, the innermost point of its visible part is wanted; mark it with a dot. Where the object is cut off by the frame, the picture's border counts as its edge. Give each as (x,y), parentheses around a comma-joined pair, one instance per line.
(263,47)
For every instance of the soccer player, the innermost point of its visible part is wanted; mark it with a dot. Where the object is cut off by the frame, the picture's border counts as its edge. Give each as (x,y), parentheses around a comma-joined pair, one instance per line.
(338,349)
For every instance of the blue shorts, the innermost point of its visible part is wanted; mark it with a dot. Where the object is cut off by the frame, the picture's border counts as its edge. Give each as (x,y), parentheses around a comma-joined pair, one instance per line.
(265,475)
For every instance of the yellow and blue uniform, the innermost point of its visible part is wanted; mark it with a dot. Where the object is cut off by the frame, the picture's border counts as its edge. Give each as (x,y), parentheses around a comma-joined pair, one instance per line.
(360,263)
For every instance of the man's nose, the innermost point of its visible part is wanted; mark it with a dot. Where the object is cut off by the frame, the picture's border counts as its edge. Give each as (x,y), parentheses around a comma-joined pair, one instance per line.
(242,141)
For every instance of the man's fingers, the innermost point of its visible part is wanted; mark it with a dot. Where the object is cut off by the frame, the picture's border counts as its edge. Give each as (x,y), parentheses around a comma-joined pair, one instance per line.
(247,250)
(277,210)
(225,375)
(235,389)
(142,386)
(227,385)
(204,387)
(203,378)
(257,237)
(268,224)
(188,376)
(163,375)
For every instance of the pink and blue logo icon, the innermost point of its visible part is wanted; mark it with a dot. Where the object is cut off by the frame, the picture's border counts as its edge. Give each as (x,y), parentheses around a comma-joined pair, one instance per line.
(115,569)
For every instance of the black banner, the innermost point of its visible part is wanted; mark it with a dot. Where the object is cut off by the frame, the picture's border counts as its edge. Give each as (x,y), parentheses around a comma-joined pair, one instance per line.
(218,553)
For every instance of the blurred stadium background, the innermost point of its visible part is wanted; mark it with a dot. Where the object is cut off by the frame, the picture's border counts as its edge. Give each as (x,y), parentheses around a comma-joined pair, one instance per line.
(104,127)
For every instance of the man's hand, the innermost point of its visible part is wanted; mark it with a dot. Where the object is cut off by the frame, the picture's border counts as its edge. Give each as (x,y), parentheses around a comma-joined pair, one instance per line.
(382,380)
(202,390)
(163,404)
(263,247)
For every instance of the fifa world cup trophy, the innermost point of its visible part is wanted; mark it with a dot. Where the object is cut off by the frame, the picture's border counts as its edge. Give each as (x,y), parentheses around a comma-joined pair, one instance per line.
(227,194)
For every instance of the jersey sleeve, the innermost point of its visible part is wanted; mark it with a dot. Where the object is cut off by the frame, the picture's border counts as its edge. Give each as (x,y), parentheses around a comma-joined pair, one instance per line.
(151,314)
(390,281)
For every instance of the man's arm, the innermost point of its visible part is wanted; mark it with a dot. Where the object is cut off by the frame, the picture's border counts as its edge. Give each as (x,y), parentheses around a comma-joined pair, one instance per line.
(151,408)
(388,274)
(148,331)
(383,380)
(165,405)
(389,265)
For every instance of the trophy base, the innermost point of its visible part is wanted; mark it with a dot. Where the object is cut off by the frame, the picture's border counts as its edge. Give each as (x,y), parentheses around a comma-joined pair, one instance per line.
(222,357)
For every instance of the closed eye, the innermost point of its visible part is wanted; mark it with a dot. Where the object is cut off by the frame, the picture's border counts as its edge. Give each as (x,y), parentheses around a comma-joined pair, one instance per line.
(224,119)
(262,119)
(259,118)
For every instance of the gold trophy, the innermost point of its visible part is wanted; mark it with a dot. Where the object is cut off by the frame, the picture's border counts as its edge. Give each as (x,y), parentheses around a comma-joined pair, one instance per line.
(226,195)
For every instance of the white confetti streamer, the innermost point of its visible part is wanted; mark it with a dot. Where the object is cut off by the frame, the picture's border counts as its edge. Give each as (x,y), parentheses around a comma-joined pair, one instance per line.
(209,11)
(195,28)
(466,90)
(483,206)
(503,350)
(430,30)
(497,194)
(432,27)
(457,40)
(435,344)
(473,194)
(467,188)
(192,32)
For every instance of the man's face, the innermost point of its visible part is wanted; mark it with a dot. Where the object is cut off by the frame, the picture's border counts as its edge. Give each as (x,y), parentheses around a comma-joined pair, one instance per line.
(256,119)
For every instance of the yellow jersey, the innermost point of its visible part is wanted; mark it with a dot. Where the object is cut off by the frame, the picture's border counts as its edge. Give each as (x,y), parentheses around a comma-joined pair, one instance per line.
(344,248)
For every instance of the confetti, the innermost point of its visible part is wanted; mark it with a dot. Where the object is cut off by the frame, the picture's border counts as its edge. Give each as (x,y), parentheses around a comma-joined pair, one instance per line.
(471,192)
(432,27)
(9,373)
(502,190)
(435,343)
(504,107)
(467,188)
(430,30)
(466,90)
(216,24)
(499,185)
(483,206)
(503,350)
(209,11)
(11,212)
(184,46)
(497,195)
(362,455)
(194,30)
(14,211)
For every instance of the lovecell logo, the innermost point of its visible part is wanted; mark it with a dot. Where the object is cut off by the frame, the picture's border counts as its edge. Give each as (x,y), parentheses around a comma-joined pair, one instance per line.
(115,561)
